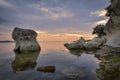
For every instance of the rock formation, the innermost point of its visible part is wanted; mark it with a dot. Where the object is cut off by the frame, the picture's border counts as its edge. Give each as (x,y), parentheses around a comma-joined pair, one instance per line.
(108,42)
(76,44)
(95,43)
(84,44)
(109,55)
(25,40)
(108,34)
(113,25)
(99,30)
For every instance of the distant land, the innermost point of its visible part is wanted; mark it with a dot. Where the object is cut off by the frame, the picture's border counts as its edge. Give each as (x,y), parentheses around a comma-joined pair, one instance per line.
(9,41)
(6,41)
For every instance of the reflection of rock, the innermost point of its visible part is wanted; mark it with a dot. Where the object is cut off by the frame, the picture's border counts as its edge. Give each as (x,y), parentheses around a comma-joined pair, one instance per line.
(78,52)
(110,64)
(24,61)
(25,40)
(84,44)
(48,69)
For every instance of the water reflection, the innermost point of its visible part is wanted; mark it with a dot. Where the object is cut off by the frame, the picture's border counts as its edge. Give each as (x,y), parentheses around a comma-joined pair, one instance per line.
(24,61)
(65,66)
(78,52)
(109,65)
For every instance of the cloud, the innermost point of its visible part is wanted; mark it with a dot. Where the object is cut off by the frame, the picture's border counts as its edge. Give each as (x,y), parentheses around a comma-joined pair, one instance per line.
(51,16)
(102,21)
(99,13)
(69,34)
(40,32)
(5,3)
(55,13)
(62,36)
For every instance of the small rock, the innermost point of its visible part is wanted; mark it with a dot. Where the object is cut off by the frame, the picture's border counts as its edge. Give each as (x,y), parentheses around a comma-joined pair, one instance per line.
(49,69)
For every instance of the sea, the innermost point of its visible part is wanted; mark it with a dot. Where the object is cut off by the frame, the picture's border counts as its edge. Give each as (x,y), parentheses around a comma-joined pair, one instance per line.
(66,64)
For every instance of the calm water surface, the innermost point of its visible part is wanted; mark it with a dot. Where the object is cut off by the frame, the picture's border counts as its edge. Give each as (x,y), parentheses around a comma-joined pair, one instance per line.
(69,65)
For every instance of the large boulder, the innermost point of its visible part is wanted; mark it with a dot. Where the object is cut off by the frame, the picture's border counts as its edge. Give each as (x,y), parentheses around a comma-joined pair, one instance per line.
(25,40)
(86,44)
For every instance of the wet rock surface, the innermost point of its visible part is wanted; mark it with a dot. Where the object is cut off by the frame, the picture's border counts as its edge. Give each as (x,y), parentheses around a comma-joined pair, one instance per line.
(109,63)
(25,40)
(46,69)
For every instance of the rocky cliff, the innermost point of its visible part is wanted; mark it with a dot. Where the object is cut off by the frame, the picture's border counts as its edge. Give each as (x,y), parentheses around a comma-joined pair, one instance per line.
(113,25)
(108,34)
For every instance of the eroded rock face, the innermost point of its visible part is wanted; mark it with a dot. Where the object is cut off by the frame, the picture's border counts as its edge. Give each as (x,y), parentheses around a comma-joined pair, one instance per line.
(113,25)
(25,40)
(95,43)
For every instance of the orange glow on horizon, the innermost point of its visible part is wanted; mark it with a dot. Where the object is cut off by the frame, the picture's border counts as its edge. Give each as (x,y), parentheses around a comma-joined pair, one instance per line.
(63,37)
(44,36)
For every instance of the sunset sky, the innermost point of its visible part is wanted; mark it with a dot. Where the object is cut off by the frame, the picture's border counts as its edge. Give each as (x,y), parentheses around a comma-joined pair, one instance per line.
(53,20)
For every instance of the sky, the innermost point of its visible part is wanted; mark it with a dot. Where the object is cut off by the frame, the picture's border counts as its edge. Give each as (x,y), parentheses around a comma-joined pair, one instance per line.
(53,20)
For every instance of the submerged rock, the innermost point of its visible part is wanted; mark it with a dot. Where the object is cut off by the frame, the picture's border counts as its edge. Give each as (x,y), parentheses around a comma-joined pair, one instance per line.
(73,72)
(25,40)
(48,69)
